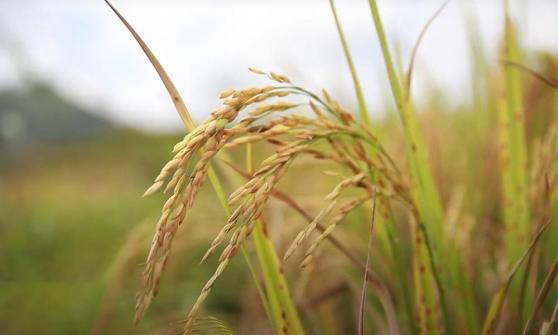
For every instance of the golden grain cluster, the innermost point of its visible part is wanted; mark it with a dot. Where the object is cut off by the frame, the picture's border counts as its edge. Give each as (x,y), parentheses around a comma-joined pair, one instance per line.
(265,119)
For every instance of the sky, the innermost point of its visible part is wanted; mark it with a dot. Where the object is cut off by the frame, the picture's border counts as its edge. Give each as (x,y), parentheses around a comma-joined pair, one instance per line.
(81,48)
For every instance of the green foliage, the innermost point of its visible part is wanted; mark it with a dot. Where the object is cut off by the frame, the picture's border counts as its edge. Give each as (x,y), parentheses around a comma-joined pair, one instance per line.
(513,152)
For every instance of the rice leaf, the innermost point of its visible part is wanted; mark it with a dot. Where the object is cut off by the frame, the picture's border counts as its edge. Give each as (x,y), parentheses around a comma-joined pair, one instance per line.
(513,153)
(423,32)
(363,113)
(497,302)
(388,236)
(545,289)
(364,295)
(279,302)
(551,82)
(424,192)
(171,88)
(550,327)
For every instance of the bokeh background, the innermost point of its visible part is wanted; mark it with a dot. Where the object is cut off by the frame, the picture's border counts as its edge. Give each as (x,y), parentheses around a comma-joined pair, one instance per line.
(85,124)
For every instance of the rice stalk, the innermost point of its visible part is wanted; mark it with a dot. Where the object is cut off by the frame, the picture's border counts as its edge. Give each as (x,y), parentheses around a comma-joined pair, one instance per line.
(457,273)
(364,294)
(424,194)
(248,201)
(549,327)
(363,170)
(386,232)
(543,292)
(279,308)
(379,287)
(513,161)
(169,85)
(176,210)
(411,67)
(497,302)
(382,202)
(551,82)
(513,153)
(362,111)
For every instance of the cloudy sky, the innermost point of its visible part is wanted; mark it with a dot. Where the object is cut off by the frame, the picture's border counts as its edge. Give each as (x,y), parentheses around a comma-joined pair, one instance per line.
(83,50)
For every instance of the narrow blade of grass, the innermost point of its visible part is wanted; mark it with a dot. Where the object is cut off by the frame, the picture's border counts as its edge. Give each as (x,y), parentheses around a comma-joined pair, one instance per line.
(423,32)
(513,158)
(426,297)
(423,189)
(551,326)
(171,88)
(383,203)
(547,80)
(495,309)
(386,232)
(280,305)
(457,273)
(549,280)
(364,295)
(363,113)
(456,279)
(513,153)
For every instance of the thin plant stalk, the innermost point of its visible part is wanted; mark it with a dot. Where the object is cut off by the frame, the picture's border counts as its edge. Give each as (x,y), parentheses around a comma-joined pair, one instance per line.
(549,327)
(513,160)
(549,280)
(365,118)
(513,152)
(497,302)
(397,254)
(424,191)
(364,295)
(410,69)
(265,250)
(281,306)
(381,289)
(363,113)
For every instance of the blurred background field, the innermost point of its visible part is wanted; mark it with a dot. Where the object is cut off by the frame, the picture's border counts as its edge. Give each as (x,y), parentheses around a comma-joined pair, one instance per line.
(84,129)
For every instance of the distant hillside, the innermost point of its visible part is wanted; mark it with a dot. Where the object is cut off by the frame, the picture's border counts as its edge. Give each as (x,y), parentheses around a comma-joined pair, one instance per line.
(38,114)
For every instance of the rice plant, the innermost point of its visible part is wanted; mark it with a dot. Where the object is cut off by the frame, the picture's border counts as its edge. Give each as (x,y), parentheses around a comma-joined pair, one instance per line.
(420,264)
